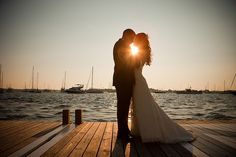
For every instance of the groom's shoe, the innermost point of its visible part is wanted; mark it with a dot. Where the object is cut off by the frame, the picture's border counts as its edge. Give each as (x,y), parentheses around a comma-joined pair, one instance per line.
(126,138)
(130,138)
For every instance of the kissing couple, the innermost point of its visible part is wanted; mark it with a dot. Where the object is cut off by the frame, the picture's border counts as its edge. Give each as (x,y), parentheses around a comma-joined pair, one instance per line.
(149,121)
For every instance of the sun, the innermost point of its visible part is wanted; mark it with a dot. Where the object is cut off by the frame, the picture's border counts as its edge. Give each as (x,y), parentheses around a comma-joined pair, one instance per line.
(134,49)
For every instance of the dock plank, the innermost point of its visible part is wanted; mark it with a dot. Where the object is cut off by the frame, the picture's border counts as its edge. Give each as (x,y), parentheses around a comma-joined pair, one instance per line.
(37,143)
(182,151)
(12,140)
(52,151)
(82,145)
(52,140)
(93,147)
(70,146)
(11,125)
(17,128)
(29,140)
(226,149)
(214,138)
(105,147)
(168,150)
(117,144)
(209,138)
(194,150)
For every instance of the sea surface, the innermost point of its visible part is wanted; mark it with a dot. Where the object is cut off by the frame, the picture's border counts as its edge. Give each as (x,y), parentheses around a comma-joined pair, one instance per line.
(102,107)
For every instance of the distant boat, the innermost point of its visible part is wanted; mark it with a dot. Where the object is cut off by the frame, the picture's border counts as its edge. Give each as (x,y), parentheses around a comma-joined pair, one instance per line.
(189,91)
(63,87)
(32,90)
(93,90)
(76,89)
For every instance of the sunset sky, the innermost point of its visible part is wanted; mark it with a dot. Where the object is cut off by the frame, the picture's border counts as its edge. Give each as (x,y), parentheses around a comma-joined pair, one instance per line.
(193,41)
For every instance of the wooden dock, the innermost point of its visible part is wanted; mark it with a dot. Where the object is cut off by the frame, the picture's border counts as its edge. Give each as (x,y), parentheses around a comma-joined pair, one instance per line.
(48,138)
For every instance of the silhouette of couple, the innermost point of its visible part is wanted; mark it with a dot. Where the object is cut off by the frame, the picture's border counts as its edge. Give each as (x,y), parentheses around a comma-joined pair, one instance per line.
(149,121)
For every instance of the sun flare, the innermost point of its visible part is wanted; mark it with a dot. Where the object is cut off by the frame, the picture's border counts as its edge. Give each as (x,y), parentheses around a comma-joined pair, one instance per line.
(134,49)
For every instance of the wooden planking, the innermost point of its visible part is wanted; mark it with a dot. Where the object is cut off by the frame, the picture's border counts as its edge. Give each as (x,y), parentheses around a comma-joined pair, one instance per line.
(130,150)
(228,140)
(82,145)
(11,125)
(37,143)
(182,151)
(52,140)
(99,139)
(16,133)
(168,150)
(194,150)
(209,145)
(114,135)
(52,151)
(117,145)
(224,135)
(219,140)
(70,146)
(94,144)
(105,147)
(12,131)
(219,130)
(230,126)
(223,140)
(22,136)
(29,140)
(223,127)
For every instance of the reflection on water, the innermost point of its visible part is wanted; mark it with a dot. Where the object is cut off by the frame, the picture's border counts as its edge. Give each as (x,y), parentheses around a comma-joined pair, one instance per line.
(102,107)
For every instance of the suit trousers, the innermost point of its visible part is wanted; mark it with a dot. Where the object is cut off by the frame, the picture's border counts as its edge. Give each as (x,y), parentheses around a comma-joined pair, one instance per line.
(124,96)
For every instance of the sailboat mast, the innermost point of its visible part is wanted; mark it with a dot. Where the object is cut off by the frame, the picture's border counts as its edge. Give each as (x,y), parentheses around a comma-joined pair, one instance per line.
(37,80)
(224,85)
(65,81)
(2,81)
(232,81)
(92,79)
(33,78)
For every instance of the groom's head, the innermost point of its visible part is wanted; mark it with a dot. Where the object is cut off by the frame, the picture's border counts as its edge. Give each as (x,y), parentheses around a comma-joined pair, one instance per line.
(128,36)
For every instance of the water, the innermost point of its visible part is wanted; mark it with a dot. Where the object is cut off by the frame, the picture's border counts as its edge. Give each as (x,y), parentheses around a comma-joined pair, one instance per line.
(102,107)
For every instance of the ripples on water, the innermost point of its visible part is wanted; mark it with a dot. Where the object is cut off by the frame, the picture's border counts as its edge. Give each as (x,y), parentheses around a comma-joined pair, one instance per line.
(102,107)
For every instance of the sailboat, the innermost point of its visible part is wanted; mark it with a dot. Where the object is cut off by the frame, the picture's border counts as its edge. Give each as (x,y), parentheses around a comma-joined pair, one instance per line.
(93,90)
(63,87)
(32,90)
(231,91)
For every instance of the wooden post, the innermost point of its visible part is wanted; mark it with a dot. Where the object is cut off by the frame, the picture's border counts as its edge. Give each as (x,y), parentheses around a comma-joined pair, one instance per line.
(78,116)
(65,117)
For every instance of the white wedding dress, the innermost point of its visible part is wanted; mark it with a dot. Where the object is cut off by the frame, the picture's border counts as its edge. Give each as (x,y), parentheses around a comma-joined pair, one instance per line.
(149,121)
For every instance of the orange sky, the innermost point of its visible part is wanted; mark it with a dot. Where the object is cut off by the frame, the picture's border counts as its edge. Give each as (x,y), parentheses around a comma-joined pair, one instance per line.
(193,42)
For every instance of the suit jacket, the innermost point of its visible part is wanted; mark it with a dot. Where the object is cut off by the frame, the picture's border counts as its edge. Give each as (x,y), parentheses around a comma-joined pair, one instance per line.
(123,69)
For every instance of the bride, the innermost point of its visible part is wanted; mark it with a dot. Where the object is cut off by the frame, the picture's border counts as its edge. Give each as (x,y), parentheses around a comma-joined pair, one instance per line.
(148,120)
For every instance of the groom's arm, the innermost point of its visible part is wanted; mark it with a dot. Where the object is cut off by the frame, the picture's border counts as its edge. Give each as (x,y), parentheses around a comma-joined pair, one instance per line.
(118,52)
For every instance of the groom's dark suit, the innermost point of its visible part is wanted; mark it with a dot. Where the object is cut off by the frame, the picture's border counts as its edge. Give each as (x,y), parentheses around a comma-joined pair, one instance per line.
(123,80)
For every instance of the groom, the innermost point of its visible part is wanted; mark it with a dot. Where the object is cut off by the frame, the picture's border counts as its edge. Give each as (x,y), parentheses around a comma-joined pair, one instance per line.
(123,80)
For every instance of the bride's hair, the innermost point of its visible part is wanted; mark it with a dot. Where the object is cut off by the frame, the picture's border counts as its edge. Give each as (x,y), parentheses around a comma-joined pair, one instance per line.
(142,42)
